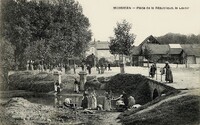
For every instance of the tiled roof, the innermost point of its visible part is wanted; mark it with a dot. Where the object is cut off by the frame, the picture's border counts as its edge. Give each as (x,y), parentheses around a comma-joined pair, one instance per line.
(102,45)
(150,39)
(174,45)
(191,49)
(176,51)
(158,49)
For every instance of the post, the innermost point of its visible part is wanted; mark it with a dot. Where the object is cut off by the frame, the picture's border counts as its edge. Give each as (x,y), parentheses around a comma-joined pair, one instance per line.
(121,64)
(122,68)
(83,75)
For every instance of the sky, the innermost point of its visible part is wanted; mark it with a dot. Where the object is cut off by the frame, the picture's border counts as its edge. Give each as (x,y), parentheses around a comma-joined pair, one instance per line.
(157,22)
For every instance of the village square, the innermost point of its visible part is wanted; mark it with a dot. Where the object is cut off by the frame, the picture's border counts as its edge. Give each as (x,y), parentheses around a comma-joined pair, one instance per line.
(56,70)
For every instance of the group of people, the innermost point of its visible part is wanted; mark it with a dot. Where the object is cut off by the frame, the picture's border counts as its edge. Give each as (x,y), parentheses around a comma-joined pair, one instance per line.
(89,100)
(165,70)
(101,68)
(125,101)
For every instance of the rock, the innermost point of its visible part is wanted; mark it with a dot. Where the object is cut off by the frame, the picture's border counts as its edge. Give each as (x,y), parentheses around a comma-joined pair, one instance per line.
(136,106)
(48,120)
(17,117)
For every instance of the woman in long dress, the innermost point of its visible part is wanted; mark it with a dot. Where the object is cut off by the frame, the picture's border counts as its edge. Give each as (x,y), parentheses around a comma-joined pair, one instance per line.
(93,100)
(76,87)
(107,102)
(84,102)
(169,76)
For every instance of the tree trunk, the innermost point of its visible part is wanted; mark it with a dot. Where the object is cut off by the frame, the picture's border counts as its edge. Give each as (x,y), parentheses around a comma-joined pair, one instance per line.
(121,64)
(16,65)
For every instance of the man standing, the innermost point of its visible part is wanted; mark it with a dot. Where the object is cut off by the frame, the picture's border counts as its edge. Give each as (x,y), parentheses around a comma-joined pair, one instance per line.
(152,71)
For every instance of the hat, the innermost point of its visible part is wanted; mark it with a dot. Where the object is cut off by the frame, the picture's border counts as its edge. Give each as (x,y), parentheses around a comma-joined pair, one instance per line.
(167,62)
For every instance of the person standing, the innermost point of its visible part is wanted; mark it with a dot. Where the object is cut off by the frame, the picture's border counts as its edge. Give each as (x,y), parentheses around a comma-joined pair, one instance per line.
(124,98)
(27,65)
(105,66)
(152,71)
(131,101)
(102,69)
(169,76)
(74,67)
(84,102)
(89,69)
(93,100)
(109,66)
(76,87)
(82,67)
(97,68)
(107,101)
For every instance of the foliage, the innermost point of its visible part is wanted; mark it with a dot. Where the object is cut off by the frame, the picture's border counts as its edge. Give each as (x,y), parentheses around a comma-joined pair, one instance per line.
(123,39)
(91,59)
(103,61)
(179,39)
(6,60)
(38,51)
(45,30)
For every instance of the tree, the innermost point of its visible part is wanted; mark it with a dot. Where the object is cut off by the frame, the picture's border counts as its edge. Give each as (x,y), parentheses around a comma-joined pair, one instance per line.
(172,38)
(60,27)
(16,26)
(103,61)
(122,41)
(6,61)
(91,59)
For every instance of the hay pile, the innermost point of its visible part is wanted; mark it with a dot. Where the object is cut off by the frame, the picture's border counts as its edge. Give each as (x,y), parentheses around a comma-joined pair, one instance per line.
(23,110)
(96,83)
(133,84)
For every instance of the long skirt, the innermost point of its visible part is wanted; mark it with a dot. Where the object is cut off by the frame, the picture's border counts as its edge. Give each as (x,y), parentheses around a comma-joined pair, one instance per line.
(93,102)
(169,76)
(107,104)
(76,88)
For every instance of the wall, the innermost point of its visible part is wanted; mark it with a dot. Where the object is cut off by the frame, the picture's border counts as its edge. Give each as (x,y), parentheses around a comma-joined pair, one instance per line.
(198,60)
(191,60)
(160,88)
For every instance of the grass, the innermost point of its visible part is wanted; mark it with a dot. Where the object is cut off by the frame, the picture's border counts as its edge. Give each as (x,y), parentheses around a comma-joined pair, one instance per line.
(42,82)
(179,111)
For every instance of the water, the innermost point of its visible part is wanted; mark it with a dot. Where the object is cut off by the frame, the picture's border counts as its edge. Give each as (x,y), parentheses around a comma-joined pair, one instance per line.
(51,99)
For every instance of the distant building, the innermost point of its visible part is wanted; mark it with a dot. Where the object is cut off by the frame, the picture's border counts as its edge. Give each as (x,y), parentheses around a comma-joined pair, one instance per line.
(137,51)
(191,53)
(173,53)
(101,50)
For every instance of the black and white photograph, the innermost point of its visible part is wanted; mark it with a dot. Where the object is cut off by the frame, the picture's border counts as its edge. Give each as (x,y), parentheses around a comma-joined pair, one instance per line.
(99,62)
